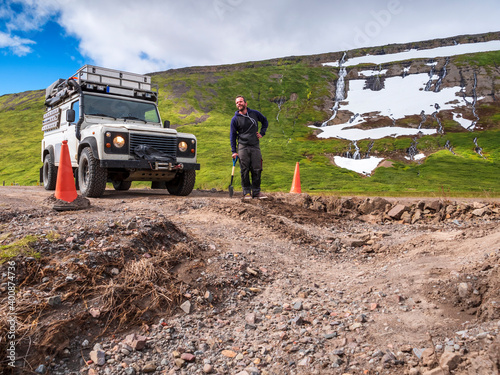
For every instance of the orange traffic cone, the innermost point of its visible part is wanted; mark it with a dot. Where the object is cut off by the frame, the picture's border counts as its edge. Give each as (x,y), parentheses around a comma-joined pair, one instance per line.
(65,184)
(296,181)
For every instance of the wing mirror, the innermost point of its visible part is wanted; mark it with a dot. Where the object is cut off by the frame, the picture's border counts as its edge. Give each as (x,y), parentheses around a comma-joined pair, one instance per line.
(70,116)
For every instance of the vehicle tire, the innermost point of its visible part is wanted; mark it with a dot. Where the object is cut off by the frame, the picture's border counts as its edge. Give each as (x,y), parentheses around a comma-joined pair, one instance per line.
(121,185)
(91,177)
(158,185)
(77,182)
(49,173)
(183,183)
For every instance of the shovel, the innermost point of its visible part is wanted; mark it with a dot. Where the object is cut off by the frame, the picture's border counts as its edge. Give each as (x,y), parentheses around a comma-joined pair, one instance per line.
(231,189)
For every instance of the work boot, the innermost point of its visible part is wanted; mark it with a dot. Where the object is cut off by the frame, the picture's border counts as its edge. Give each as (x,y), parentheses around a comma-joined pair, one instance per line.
(247,196)
(260,196)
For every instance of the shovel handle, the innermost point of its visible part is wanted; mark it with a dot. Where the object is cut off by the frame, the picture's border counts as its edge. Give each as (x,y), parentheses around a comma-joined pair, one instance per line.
(234,166)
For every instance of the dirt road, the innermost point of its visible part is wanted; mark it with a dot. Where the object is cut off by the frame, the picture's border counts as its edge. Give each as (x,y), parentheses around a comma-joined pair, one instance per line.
(145,282)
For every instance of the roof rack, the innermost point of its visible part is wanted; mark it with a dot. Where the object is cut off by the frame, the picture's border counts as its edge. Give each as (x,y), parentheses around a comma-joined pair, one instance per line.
(95,74)
(110,81)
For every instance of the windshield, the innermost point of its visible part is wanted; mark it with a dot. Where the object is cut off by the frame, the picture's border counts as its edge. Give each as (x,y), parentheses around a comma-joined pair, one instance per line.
(120,109)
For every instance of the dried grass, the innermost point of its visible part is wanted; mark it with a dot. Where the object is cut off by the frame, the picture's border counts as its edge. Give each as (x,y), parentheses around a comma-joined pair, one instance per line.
(144,288)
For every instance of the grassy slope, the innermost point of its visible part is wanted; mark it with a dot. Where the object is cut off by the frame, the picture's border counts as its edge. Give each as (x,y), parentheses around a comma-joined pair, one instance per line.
(20,137)
(203,104)
(285,142)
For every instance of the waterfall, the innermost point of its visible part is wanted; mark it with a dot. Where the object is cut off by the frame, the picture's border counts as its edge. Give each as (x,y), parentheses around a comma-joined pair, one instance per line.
(356,153)
(377,83)
(280,102)
(440,126)
(348,153)
(448,147)
(477,149)
(463,85)
(353,118)
(370,146)
(474,102)
(429,82)
(412,150)
(424,118)
(339,90)
(406,71)
(441,76)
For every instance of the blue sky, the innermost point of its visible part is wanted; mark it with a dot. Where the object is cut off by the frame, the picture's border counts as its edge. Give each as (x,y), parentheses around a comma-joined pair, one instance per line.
(43,40)
(52,56)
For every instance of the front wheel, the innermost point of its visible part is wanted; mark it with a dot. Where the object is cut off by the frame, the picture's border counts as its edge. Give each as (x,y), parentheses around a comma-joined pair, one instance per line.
(183,183)
(91,176)
(49,173)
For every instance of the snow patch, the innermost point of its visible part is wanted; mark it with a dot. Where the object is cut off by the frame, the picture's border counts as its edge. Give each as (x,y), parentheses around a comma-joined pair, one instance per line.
(396,100)
(459,49)
(416,157)
(462,121)
(400,97)
(371,73)
(362,166)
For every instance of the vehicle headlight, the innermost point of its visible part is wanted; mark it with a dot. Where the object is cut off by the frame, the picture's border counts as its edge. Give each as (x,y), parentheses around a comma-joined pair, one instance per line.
(183,146)
(119,141)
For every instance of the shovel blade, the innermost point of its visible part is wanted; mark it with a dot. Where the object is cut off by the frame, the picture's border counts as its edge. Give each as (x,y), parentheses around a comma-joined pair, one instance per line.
(231,191)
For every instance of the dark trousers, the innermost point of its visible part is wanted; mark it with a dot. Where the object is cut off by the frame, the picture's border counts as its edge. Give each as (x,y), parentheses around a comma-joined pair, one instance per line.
(250,163)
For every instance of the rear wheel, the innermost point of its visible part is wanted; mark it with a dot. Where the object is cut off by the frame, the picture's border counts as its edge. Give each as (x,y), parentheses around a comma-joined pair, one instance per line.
(158,185)
(182,184)
(121,185)
(49,173)
(91,177)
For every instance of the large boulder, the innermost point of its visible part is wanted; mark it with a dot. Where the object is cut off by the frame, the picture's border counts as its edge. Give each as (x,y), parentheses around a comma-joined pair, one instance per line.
(396,212)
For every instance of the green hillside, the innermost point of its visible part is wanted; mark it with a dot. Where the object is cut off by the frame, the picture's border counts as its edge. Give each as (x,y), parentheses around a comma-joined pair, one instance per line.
(20,137)
(201,101)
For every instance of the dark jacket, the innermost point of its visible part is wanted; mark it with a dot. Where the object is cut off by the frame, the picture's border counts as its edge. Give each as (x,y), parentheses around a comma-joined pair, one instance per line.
(244,128)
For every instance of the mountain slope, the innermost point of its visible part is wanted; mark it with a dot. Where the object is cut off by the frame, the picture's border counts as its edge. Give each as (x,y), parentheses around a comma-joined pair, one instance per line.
(294,93)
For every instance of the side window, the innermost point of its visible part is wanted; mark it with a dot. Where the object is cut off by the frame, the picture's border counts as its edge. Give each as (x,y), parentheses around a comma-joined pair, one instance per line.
(76,107)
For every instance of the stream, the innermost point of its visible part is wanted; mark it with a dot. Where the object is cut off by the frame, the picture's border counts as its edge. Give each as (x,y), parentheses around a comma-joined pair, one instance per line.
(339,90)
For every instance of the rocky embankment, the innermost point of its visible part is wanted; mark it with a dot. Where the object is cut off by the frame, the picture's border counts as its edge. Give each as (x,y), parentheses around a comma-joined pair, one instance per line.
(296,284)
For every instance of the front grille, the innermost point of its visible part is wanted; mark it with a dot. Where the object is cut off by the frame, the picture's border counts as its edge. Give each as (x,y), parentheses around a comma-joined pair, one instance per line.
(167,145)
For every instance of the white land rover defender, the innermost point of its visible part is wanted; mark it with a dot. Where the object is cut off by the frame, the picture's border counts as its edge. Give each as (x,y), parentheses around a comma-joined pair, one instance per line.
(111,121)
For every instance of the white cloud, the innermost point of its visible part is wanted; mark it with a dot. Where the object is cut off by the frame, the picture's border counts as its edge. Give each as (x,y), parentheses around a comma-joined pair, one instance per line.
(175,34)
(145,36)
(19,46)
(33,16)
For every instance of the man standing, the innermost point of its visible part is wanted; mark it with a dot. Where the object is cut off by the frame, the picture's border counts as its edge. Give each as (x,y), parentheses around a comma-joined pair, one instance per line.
(245,131)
